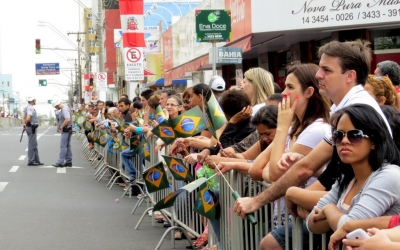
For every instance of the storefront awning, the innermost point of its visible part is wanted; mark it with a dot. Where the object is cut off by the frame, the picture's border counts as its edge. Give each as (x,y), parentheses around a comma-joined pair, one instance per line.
(243,43)
(158,83)
(179,72)
(179,81)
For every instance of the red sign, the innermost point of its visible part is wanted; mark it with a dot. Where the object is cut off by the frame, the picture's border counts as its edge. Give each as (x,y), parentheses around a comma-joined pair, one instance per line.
(133,55)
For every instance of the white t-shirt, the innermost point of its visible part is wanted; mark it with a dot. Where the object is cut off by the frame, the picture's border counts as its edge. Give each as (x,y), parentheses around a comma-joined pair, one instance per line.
(311,137)
(356,95)
(257,107)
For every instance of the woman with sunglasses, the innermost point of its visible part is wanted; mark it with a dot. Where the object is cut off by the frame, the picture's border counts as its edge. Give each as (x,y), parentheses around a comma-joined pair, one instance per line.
(366,161)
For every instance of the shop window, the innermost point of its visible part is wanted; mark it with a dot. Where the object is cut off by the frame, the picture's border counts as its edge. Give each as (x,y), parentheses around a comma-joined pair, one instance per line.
(386,39)
(315,47)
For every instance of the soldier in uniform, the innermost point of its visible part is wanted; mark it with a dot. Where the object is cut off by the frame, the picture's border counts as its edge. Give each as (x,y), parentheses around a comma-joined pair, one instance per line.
(31,123)
(65,157)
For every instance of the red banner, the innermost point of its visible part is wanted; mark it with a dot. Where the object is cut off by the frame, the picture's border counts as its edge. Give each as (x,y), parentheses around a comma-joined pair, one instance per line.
(132,23)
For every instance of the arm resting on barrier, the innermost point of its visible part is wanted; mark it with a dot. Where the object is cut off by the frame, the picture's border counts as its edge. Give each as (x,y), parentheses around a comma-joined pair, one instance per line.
(259,164)
(306,198)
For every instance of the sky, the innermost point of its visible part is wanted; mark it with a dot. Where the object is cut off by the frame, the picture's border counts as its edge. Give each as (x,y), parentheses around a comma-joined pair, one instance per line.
(18,31)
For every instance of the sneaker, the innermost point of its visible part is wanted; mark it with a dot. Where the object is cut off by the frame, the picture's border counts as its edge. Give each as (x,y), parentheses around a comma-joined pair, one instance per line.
(68,164)
(155,213)
(140,196)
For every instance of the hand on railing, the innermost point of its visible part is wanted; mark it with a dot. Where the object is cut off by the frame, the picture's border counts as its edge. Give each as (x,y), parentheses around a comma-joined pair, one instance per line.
(227,152)
(246,205)
(202,155)
(212,159)
(225,167)
(191,159)
(159,147)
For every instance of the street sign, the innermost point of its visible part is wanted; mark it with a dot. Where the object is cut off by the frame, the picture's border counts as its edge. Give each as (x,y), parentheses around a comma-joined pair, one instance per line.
(227,55)
(47,68)
(213,26)
(134,64)
(101,84)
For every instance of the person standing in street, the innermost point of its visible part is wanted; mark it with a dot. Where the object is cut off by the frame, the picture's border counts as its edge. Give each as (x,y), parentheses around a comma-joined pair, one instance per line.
(65,157)
(31,123)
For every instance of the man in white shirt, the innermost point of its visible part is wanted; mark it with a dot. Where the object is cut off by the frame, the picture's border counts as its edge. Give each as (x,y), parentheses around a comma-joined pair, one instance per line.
(344,67)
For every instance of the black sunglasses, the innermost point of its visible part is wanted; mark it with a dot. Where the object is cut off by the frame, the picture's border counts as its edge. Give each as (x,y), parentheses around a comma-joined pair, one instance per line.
(354,136)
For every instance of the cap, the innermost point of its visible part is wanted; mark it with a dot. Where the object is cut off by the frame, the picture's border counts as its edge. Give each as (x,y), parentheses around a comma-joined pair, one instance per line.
(30,98)
(217,83)
(56,102)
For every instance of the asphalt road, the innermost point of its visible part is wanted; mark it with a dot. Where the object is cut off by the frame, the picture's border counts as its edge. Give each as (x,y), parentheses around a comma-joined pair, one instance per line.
(45,208)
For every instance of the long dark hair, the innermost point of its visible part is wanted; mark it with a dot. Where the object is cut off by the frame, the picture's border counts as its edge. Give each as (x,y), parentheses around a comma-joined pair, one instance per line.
(267,116)
(202,89)
(317,106)
(367,119)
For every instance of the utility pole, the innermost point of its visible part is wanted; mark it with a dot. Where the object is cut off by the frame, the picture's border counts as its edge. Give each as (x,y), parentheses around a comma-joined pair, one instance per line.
(79,62)
(100,35)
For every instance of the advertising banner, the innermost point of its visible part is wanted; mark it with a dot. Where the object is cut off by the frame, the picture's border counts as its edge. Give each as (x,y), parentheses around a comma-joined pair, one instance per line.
(213,26)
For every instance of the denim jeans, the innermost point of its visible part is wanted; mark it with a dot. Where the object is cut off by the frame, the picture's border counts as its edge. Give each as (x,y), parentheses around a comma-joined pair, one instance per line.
(128,157)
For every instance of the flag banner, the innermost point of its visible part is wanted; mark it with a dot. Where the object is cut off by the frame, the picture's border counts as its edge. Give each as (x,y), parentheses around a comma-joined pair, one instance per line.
(178,168)
(165,132)
(155,178)
(122,146)
(189,123)
(146,151)
(134,143)
(80,120)
(103,139)
(159,115)
(168,201)
(132,23)
(87,125)
(216,115)
(96,136)
(206,203)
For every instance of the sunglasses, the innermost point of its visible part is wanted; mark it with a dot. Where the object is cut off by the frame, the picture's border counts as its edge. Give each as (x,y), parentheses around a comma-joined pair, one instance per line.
(354,136)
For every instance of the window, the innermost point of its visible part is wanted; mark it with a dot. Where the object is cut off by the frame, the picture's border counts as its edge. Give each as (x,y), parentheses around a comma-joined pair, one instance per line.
(386,39)
(92,31)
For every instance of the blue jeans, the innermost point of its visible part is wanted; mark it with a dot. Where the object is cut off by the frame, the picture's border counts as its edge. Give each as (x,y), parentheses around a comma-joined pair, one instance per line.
(216,223)
(128,157)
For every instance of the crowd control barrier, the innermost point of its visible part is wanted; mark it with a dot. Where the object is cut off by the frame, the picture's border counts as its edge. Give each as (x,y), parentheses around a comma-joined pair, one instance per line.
(235,233)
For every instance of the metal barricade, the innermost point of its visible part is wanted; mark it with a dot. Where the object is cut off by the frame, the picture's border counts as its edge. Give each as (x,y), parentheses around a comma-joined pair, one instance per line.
(240,234)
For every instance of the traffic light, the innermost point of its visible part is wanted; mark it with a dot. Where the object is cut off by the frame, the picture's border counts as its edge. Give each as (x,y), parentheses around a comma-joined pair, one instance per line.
(49,101)
(42,82)
(37,46)
(91,86)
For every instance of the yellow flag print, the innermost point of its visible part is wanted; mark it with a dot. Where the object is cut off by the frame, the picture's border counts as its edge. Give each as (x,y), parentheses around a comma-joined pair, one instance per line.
(207,200)
(166,132)
(155,177)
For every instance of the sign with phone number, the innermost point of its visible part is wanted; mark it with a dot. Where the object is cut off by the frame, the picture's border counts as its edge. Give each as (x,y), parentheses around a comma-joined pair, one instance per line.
(325,14)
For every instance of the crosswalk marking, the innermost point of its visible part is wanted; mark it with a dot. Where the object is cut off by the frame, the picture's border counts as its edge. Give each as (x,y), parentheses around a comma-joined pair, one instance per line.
(22,157)
(61,170)
(14,169)
(3,186)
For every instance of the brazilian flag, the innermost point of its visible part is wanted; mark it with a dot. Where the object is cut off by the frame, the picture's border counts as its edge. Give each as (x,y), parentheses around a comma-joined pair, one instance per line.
(80,120)
(216,115)
(159,115)
(178,169)
(122,146)
(168,201)
(155,178)
(206,203)
(134,143)
(165,132)
(87,125)
(103,139)
(146,151)
(189,123)
(96,136)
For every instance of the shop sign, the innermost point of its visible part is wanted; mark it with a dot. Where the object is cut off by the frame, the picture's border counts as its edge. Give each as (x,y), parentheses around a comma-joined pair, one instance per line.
(213,26)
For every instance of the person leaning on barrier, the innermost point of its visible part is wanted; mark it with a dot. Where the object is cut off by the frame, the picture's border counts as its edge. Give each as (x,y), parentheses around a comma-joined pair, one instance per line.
(392,70)
(31,123)
(65,156)
(340,79)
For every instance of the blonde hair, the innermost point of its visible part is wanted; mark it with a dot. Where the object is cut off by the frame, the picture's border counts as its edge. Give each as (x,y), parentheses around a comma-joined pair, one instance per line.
(383,86)
(262,83)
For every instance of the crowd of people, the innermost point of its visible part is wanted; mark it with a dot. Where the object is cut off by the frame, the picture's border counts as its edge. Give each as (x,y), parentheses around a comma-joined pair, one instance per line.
(328,142)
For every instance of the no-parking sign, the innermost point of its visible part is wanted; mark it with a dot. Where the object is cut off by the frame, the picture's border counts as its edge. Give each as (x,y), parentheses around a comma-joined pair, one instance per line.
(133,64)
(101,84)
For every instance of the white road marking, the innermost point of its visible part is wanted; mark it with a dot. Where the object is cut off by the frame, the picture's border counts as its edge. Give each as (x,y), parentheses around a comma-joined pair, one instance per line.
(57,134)
(3,186)
(14,169)
(26,150)
(61,170)
(22,157)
